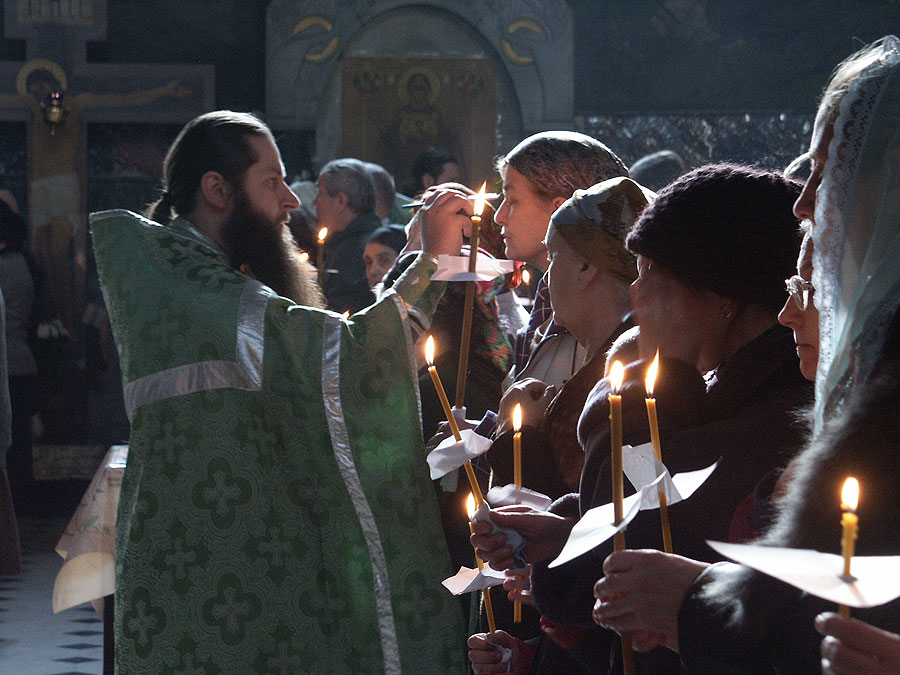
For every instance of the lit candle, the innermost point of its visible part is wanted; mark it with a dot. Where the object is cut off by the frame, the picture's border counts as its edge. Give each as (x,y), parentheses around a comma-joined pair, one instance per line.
(849,527)
(517,479)
(451,420)
(320,254)
(616,375)
(345,314)
(304,256)
(526,280)
(517,445)
(485,592)
(469,304)
(649,383)
(478,206)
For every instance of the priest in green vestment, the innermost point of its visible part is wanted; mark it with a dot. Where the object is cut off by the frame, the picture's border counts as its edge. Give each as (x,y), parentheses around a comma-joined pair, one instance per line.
(276,474)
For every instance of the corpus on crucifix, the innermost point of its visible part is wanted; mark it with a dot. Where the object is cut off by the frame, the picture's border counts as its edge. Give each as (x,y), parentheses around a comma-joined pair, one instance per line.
(55,153)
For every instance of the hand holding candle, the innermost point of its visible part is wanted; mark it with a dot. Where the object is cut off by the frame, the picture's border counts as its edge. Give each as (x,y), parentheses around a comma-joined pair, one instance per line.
(448,412)
(486,594)
(849,528)
(650,383)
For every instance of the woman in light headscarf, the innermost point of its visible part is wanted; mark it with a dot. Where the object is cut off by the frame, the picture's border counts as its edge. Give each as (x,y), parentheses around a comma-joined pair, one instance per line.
(727,618)
(588,277)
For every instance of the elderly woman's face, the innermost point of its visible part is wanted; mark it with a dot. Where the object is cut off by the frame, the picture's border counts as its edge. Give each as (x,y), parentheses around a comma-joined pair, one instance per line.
(804,323)
(379,260)
(823,132)
(681,322)
(562,275)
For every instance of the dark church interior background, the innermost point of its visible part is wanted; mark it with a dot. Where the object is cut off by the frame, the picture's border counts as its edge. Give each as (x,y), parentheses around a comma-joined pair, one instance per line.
(708,80)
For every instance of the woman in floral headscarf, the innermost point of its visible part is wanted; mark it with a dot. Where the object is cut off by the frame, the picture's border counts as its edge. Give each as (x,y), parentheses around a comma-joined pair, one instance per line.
(728,618)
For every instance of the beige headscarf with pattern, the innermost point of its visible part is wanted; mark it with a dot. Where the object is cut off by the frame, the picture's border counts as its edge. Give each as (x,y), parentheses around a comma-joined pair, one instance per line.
(595,222)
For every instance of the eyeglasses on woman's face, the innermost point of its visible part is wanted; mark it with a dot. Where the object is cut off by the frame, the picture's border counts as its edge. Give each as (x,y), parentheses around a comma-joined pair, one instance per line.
(800,290)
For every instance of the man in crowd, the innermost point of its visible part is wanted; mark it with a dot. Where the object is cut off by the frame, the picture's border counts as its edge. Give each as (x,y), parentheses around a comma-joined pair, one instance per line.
(275,469)
(434,166)
(388,203)
(345,204)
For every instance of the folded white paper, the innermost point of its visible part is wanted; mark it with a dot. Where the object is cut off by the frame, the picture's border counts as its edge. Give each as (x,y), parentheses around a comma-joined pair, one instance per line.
(641,467)
(469,580)
(456,268)
(596,525)
(875,580)
(508,495)
(451,454)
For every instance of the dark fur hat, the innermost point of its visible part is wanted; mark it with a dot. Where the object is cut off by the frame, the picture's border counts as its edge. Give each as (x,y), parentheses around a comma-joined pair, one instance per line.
(725,228)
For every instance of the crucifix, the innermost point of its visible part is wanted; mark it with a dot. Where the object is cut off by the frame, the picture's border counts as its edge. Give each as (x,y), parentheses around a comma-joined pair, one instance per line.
(58,93)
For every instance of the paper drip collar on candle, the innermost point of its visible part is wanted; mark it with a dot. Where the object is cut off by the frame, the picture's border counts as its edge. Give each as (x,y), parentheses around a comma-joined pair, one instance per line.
(451,454)
(515,540)
(505,652)
(596,526)
(456,268)
(450,481)
(509,495)
(642,467)
(875,580)
(468,580)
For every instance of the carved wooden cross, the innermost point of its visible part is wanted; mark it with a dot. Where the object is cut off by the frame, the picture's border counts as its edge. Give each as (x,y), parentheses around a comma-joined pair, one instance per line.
(58,93)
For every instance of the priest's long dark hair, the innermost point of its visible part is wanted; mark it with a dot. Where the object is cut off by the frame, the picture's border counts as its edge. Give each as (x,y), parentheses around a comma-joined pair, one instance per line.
(216,141)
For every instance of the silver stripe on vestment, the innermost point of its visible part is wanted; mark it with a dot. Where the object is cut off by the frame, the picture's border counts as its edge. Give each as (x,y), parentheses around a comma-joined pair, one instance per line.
(251,329)
(403,308)
(340,442)
(246,372)
(193,234)
(187,379)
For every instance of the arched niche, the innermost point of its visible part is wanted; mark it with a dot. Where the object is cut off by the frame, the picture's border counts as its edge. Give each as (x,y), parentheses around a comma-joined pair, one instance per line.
(530,47)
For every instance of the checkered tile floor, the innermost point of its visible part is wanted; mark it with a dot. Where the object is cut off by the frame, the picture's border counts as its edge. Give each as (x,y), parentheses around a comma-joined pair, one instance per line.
(33,640)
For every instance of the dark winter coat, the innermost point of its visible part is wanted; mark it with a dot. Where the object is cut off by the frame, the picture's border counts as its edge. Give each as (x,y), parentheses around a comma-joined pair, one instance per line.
(744,415)
(739,621)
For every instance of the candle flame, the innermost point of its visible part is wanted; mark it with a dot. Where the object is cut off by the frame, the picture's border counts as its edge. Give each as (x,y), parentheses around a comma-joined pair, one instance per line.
(470,506)
(616,375)
(517,417)
(304,256)
(850,495)
(479,200)
(650,380)
(429,350)
(346,314)
(322,234)
(526,277)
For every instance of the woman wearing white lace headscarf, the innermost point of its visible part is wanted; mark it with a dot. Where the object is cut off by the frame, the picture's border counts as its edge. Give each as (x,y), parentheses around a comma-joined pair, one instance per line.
(728,618)
(856,211)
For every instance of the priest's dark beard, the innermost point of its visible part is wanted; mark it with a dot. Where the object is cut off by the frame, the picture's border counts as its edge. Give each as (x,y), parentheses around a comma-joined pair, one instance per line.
(266,250)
